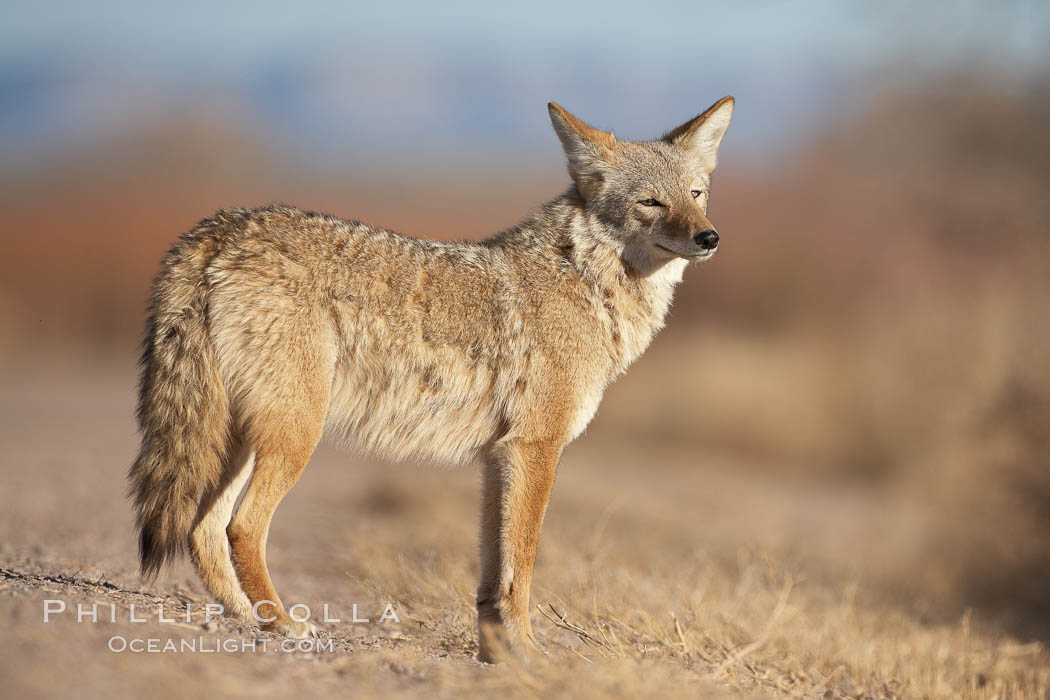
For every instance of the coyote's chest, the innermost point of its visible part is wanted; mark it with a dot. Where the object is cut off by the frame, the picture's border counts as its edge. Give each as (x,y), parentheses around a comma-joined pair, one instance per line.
(633,314)
(636,312)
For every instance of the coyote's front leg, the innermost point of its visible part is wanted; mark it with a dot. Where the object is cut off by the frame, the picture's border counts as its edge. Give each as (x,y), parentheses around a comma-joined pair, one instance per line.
(517,483)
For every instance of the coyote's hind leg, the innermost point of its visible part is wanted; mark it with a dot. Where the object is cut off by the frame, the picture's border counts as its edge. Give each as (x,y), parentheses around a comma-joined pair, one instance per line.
(209,545)
(284,417)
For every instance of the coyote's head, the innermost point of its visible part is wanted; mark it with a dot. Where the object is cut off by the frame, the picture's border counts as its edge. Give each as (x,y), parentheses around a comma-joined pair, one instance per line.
(651,196)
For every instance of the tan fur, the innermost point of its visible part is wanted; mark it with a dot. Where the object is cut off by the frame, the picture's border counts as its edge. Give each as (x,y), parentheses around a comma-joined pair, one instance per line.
(270,327)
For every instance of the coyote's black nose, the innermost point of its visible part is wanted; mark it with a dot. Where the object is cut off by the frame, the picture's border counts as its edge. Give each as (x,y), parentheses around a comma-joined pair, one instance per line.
(708,240)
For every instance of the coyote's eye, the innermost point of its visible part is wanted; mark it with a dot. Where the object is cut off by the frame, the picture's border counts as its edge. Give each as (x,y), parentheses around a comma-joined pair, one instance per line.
(650,202)
(696,193)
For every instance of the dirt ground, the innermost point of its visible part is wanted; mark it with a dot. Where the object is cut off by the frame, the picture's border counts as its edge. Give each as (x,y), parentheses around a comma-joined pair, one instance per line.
(660,573)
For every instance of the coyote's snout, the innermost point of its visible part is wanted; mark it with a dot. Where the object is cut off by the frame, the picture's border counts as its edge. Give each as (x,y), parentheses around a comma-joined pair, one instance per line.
(270,327)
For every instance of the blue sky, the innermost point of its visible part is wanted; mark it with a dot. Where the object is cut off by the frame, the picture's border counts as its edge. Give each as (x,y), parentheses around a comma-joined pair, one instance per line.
(329,80)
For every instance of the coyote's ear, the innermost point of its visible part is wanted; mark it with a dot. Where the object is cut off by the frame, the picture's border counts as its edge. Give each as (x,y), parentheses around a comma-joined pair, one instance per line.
(700,137)
(588,149)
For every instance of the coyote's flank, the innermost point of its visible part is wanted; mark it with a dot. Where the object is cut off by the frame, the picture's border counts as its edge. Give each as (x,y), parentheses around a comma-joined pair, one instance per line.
(271,327)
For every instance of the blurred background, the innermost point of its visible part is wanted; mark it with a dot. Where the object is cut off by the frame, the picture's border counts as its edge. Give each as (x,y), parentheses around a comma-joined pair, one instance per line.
(874,390)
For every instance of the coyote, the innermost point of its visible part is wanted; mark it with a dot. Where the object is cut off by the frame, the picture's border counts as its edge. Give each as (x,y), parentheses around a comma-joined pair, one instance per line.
(270,327)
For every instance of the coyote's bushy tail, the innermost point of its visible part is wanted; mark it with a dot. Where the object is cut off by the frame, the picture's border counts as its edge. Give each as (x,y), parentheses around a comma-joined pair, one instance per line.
(183,410)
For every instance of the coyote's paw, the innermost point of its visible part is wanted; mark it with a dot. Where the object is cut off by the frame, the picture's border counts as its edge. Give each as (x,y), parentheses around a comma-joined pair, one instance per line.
(498,644)
(240,610)
(293,629)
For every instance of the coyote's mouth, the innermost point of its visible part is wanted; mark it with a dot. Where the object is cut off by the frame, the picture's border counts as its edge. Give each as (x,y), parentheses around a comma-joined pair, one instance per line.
(701,255)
